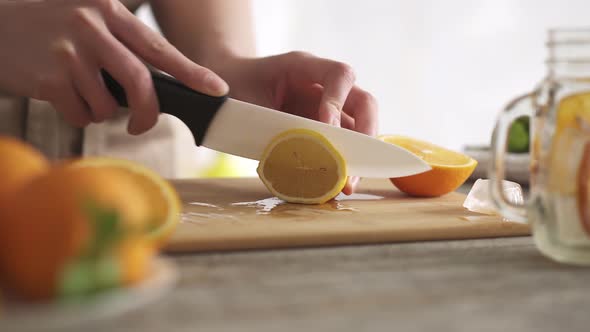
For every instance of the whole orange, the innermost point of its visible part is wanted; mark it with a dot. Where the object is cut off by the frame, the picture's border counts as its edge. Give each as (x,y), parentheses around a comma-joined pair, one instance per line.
(19,163)
(45,224)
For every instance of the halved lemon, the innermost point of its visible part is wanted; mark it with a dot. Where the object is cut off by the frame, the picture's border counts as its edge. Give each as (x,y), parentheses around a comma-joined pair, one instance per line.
(162,197)
(449,170)
(302,166)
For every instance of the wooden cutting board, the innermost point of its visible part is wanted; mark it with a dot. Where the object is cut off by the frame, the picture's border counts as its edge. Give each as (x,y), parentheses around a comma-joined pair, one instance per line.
(231,214)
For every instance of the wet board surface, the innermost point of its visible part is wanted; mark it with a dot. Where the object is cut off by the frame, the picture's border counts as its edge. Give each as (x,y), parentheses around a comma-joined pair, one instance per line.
(234,214)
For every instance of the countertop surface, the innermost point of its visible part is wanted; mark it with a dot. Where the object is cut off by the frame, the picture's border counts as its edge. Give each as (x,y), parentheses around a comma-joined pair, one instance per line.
(501,284)
(471,285)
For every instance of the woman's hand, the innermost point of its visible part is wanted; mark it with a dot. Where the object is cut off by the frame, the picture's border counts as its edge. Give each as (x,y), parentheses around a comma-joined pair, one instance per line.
(302,84)
(54,50)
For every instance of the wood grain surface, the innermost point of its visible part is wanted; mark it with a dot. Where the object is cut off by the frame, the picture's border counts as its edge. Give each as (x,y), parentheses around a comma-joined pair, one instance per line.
(232,214)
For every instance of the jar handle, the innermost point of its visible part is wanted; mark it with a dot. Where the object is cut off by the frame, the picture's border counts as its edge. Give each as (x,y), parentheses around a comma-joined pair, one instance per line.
(496,172)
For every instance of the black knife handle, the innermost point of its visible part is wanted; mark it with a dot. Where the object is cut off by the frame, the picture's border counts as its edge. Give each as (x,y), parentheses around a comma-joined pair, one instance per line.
(193,108)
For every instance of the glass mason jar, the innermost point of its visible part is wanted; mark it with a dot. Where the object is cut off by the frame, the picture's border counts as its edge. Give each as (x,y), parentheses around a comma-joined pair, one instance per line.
(559,205)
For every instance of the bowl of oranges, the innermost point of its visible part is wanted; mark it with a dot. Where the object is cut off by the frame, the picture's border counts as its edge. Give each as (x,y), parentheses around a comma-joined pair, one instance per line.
(80,238)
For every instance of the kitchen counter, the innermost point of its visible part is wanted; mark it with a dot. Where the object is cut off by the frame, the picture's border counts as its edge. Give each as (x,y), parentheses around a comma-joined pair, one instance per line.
(500,284)
(471,285)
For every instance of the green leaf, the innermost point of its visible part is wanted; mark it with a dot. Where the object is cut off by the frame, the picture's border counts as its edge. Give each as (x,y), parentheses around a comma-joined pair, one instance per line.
(77,280)
(108,272)
(107,226)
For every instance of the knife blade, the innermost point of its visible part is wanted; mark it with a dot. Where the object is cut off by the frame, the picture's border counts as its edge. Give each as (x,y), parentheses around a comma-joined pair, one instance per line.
(243,129)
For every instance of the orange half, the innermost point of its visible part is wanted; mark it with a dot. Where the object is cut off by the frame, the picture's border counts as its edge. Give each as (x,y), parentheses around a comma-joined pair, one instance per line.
(449,171)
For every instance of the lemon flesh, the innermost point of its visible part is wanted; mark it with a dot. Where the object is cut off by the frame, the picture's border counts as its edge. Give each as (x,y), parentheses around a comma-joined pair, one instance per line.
(302,166)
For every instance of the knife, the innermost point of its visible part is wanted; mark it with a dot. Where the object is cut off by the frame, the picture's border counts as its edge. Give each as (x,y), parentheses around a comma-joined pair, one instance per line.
(242,129)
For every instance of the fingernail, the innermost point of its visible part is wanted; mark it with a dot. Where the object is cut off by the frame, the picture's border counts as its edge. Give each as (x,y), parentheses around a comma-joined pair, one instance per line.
(133,128)
(215,86)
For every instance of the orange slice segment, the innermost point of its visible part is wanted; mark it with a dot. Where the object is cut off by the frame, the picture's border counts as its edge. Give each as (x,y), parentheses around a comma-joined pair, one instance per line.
(449,170)
(162,197)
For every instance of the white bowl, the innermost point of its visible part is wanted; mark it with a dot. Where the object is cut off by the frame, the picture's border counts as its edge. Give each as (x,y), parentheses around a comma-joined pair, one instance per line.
(58,316)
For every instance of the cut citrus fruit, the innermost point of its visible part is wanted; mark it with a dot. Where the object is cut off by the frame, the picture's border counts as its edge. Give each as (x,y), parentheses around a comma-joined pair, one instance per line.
(572,111)
(449,170)
(164,201)
(135,256)
(302,166)
(583,188)
(569,155)
(46,224)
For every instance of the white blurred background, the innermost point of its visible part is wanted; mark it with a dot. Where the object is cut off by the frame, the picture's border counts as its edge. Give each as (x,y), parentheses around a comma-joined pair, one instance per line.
(440,70)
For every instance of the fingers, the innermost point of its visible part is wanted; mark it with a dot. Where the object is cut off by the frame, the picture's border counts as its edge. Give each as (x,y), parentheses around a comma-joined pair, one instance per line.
(119,35)
(310,103)
(156,50)
(135,78)
(60,91)
(346,121)
(363,108)
(88,83)
(351,184)
(336,78)
(339,92)
(337,84)
(124,66)
(72,107)
(342,103)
